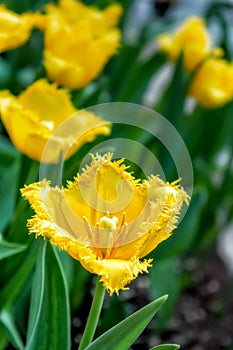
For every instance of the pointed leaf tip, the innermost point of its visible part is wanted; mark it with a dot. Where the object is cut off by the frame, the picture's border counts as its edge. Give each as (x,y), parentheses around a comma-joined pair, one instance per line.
(166,347)
(124,334)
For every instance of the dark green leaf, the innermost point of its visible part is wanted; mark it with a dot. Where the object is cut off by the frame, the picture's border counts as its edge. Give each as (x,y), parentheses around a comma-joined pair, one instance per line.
(123,335)
(7,320)
(8,153)
(5,73)
(177,92)
(8,249)
(9,169)
(138,79)
(165,278)
(49,320)
(119,75)
(80,286)
(11,289)
(112,315)
(8,195)
(166,347)
(28,173)
(3,338)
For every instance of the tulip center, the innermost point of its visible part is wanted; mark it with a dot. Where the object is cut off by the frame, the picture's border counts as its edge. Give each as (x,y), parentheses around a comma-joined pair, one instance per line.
(108,223)
(105,235)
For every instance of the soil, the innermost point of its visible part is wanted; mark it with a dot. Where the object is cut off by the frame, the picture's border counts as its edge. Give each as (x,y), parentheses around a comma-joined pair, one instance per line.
(203,319)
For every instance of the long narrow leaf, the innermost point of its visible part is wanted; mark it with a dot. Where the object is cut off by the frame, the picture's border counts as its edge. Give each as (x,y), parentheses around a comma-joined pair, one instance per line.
(6,319)
(139,78)
(8,194)
(10,291)
(166,347)
(123,335)
(49,320)
(3,338)
(8,249)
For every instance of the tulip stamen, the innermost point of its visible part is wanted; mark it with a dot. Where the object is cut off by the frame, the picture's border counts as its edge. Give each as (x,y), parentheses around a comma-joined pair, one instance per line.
(88,228)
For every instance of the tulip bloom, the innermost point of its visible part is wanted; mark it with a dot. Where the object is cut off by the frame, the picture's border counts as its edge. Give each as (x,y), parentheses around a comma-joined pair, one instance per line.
(212,85)
(15,29)
(31,119)
(192,39)
(106,219)
(79,40)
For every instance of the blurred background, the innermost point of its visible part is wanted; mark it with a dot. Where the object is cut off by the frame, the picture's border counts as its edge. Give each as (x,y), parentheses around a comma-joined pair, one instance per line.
(195,266)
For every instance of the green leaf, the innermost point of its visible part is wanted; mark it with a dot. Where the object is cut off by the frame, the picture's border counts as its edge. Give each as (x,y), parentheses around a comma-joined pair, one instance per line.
(8,249)
(7,320)
(5,73)
(123,335)
(128,55)
(79,286)
(169,285)
(8,154)
(11,289)
(3,338)
(28,174)
(138,79)
(166,347)
(49,319)
(176,95)
(9,168)
(112,315)
(8,195)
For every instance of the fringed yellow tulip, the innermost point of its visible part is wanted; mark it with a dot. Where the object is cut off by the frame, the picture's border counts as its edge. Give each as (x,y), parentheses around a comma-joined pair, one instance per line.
(106,219)
(192,39)
(212,85)
(15,29)
(79,40)
(31,118)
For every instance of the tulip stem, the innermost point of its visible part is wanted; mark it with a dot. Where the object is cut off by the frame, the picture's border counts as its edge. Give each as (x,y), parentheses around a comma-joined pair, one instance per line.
(94,315)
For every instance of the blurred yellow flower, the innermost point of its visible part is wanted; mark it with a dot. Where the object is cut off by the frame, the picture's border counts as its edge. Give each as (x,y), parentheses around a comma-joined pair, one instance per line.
(106,219)
(192,39)
(15,29)
(212,84)
(79,40)
(31,119)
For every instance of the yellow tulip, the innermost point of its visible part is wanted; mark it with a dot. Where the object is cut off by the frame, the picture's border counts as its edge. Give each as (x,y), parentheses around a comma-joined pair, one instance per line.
(74,11)
(212,84)
(192,39)
(31,119)
(106,219)
(15,29)
(79,40)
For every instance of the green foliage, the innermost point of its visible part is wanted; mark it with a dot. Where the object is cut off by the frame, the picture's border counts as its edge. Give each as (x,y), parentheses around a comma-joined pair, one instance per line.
(124,334)
(166,347)
(9,169)
(7,249)
(17,281)
(168,272)
(49,318)
(7,321)
(42,289)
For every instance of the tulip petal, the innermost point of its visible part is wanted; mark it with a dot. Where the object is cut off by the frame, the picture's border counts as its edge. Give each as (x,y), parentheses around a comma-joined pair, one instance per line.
(115,274)
(191,38)
(16,29)
(79,40)
(47,120)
